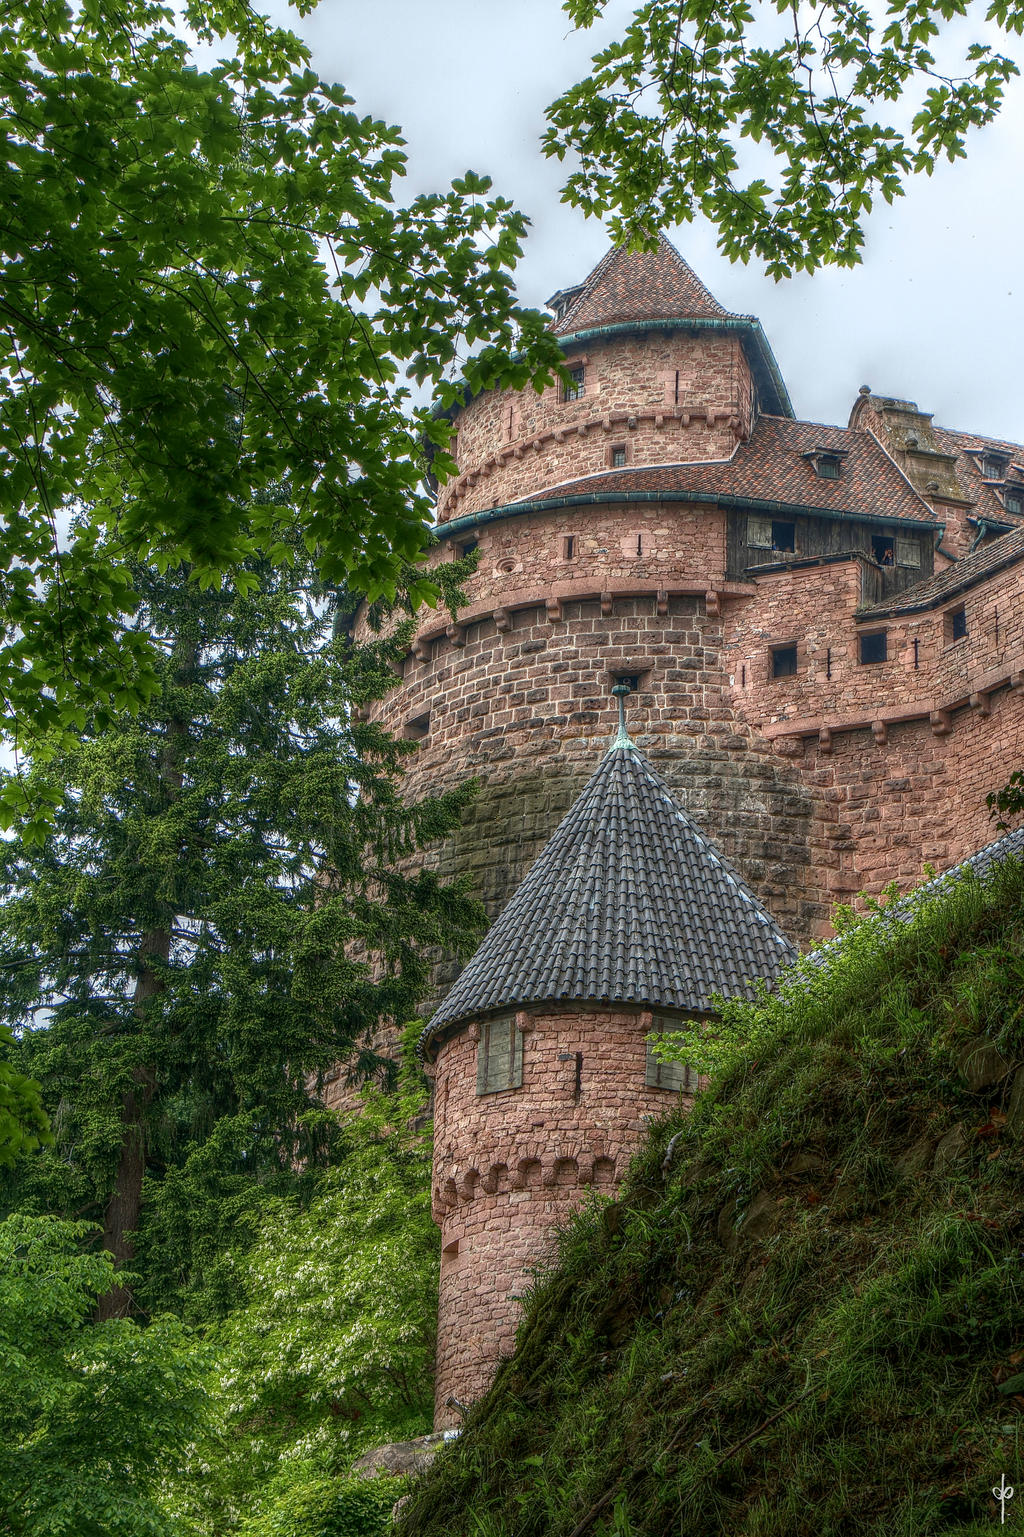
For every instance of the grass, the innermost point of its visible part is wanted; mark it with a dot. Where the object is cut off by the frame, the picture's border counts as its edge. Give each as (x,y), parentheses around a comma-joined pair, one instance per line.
(802,1324)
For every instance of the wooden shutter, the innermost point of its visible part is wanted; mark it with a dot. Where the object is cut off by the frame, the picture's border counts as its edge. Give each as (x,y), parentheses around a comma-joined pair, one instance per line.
(499,1056)
(667,1075)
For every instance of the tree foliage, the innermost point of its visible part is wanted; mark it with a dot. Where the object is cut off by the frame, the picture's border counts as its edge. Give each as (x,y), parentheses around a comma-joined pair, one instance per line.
(331,1347)
(93,1417)
(207,287)
(215,919)
(23,1121)
(664,123)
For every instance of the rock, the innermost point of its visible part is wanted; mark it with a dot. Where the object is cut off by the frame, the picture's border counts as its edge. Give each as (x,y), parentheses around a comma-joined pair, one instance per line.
(981,1064)
(727,1236)
(950,1148)
(918,1156)
(759,1217)
(1014,1126)
(805,1163)
(400,1457)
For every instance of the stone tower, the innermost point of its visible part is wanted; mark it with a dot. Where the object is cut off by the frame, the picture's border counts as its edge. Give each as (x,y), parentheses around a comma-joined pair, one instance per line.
(628,922)
(823,626)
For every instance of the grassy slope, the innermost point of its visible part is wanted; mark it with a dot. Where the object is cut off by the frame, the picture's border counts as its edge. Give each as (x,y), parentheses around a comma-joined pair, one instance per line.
(804,1325)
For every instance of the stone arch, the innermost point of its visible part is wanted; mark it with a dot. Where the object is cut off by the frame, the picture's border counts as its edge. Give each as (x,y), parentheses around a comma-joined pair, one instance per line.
(528,1174)
(566,1171)
(496,1180)
(604,1171)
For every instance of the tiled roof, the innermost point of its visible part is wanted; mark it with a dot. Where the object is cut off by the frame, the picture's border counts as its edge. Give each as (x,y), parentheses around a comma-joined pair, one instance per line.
(628,902)
(985,562)
(965,446)
(639,285)
(770,467)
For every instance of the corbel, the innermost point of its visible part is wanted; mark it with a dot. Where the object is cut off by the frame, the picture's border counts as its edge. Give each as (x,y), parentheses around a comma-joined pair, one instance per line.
(982,704)
(662,601)
(880,732)
(824,739)
(1016,680)
(713,603)
(502,619)
(474,1031)
(421,649)
(554,608)
(606,605)
(941,722)
(524,1022)
(456,634)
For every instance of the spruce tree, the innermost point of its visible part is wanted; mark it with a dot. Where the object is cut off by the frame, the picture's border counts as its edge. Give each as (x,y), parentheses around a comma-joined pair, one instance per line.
(217,917)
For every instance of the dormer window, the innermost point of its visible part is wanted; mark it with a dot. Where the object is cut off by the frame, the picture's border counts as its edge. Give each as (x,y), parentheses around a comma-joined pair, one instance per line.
(827,463)
(993,467)
(883,549)
(574,389)
(1013,500)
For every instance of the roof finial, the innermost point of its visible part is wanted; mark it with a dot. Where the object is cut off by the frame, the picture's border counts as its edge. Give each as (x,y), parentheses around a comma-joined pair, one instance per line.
(622,737)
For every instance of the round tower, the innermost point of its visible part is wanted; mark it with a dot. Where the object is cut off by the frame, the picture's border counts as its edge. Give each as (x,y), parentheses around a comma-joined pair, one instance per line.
(619,577)
(627,923)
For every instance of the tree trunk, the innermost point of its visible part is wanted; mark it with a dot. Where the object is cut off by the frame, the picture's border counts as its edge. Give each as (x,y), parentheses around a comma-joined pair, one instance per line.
(124,1209)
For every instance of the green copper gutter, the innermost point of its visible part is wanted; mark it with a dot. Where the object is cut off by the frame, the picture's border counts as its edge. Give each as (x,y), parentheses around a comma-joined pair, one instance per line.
(708,498)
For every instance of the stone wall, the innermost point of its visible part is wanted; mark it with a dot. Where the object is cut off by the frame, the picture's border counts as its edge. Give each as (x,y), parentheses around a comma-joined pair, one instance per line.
(510,1166)
(667,397)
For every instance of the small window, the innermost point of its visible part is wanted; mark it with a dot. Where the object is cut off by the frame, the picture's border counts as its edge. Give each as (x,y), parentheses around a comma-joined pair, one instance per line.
(827,466)
(908,552)
(958,624)
(618,455)
(783,536)
(992,468)
(499,1056)
(668,1075)
(1014,501)
(883,549)
(466,548)
(784,661)
(874,648)
(575,387)
(568,547)
(417,728)
(630,679)
(759,533)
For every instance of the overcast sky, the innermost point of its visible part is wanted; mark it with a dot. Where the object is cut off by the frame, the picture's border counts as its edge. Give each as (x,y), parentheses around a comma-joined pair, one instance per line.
(935,313)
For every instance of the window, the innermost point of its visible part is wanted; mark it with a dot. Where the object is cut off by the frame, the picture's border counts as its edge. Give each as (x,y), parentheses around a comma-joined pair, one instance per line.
(883,549)
(630,679)
(568,547)
(417,728)
(618,455)
(784,661)
(1014,500)
(466,548)
(668,1075)
(827,466)
(759,533)
(874,648)
(783,536)
(574,389)
(958,624)
(992,467)
(908,552)
(499,1056)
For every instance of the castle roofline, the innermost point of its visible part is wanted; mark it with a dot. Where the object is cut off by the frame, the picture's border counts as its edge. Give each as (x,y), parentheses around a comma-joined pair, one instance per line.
(628,903)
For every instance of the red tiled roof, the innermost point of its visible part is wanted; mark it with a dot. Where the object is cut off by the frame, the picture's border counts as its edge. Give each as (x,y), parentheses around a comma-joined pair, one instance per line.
(639,285)
(770,467)
(965,445)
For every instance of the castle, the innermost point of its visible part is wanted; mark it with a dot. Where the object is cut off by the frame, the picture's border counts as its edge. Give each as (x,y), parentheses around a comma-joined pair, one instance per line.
(822,633)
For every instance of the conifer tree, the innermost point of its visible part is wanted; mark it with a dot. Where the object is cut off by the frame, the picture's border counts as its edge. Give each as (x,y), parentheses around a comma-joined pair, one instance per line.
(215,919)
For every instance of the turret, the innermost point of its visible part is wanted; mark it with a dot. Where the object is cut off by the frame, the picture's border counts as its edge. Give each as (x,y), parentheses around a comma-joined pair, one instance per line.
(627,923)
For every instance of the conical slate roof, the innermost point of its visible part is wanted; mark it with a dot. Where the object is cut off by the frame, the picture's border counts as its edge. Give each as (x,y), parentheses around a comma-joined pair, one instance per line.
(628,902)
(638,285)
